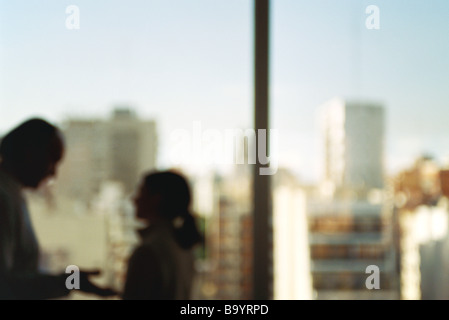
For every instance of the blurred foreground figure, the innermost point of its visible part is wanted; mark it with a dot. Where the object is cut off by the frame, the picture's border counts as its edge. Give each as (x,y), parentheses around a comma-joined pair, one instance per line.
(29,155)
(162,267)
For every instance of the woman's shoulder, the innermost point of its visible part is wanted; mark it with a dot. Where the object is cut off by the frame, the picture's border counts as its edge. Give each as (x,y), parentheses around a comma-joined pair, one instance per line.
(142,252)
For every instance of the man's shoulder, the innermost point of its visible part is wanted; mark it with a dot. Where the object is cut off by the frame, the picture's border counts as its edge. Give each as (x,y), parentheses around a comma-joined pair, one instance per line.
(10,192)
(9,188)
(5,195)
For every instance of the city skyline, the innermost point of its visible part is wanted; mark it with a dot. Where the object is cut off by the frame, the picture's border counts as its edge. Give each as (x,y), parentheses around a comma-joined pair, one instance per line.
(158,84)
(320,50)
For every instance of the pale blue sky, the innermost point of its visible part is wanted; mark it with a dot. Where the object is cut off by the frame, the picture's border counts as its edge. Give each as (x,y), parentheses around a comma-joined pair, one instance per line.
(186,60)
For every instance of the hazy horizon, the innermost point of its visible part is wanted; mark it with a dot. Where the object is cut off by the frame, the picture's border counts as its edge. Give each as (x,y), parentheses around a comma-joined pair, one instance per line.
(180,61)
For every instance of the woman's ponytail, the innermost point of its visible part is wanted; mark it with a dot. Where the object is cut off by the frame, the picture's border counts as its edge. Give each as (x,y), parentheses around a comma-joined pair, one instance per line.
(187,234)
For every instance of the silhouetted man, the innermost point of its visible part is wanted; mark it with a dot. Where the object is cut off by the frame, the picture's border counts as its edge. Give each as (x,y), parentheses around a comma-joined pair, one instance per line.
(29,155)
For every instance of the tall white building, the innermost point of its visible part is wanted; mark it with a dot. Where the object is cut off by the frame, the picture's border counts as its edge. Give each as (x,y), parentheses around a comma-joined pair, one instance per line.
(424,247)
(291,263)
(354,144)
(350,228)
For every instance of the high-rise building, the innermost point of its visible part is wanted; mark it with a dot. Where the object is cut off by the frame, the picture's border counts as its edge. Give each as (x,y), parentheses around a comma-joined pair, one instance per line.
(354,144)
(118,149)
(229,232)
(351,219)
(229,240)
(346,237)
(422,208)
(291,262)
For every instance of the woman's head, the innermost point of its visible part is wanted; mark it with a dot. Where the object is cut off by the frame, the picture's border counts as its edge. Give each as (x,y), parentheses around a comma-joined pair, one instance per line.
(165,195)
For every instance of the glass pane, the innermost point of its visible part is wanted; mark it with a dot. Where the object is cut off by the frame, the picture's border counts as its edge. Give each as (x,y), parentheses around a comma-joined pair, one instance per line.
(359,100)
(135,86)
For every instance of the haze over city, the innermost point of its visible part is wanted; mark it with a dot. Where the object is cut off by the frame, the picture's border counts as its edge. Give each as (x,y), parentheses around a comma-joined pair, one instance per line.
(180,61)
(358,108)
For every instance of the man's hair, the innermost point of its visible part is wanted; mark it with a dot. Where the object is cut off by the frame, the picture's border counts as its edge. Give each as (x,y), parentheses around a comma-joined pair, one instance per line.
(34,134)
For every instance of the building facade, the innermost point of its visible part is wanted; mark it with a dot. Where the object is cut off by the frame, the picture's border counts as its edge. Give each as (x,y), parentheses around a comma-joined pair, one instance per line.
(350,216)
(118,149)
(353,144)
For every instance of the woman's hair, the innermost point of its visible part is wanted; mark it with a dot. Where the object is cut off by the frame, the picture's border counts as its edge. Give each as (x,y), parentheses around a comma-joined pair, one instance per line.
(175,203)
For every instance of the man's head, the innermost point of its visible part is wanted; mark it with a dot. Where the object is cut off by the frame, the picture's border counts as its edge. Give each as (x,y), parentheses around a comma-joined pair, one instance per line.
(31,151)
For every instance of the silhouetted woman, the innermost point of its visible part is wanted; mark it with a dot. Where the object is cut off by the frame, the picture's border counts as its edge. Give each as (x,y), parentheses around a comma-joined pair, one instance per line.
(162,266)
